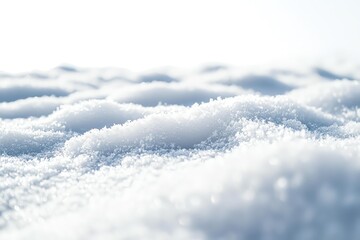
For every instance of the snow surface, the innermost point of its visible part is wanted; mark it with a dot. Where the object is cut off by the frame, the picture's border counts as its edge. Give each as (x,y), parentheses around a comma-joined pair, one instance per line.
(211,153)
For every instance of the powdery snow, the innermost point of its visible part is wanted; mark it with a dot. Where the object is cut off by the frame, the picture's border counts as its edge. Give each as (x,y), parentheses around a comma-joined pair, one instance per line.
(215,153)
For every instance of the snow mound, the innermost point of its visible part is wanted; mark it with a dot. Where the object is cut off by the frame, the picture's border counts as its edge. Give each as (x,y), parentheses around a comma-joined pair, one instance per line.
(13,92)
(219,120)
(334,97)
(170,94)
(29,107)
(92,114)
(263,84)
(27,141)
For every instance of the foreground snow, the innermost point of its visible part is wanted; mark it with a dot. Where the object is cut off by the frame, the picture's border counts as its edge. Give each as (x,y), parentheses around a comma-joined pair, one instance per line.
(219,153)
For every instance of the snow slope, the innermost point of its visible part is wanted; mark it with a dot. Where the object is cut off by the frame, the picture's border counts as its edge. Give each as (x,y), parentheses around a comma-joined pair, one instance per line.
(212,153)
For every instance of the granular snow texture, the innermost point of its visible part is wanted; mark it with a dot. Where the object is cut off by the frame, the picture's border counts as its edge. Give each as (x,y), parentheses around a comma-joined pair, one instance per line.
(215,153)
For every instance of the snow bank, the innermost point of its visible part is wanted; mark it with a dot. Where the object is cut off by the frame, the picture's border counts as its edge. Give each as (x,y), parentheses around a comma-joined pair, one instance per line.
(121,155)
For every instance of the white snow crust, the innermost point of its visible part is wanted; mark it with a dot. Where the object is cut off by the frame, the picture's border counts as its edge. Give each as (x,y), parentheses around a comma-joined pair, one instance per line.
(211,153)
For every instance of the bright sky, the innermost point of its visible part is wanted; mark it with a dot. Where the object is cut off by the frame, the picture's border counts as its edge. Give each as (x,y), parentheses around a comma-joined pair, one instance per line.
(142,34)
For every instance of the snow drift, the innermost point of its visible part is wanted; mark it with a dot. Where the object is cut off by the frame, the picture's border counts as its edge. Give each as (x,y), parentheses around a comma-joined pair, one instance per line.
(109,154)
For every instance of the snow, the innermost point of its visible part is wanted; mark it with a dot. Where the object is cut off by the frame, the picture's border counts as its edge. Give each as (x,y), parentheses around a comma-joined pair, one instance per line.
(333,97)
(209,153)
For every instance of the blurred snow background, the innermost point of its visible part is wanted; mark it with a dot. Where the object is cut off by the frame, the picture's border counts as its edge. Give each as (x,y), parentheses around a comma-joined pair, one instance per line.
(218,120)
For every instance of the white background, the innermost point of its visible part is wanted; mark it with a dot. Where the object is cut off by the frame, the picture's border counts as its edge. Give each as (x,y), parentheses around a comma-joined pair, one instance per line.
(136,34)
